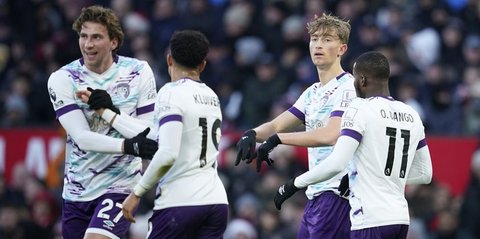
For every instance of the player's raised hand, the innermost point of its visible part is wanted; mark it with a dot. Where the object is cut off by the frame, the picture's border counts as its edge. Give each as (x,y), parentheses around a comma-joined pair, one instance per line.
(246,147)
(101,99)
(129,206)
(265,149)
(284,192)
(140,145)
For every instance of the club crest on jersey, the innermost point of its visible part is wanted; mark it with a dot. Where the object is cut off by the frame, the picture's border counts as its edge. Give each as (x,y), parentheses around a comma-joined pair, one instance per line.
(323,101)
(123,90)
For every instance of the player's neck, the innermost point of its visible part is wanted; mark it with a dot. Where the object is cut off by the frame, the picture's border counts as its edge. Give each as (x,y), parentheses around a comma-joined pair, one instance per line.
(378,92)
(326,75)
(178,73)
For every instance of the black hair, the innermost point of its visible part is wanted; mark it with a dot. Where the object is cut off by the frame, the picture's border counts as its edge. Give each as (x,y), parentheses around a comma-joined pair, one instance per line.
(374,65)
(189,48)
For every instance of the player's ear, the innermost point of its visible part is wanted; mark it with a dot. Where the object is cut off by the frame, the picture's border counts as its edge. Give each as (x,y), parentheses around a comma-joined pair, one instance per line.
(201,67)
(169,59)
(363,81)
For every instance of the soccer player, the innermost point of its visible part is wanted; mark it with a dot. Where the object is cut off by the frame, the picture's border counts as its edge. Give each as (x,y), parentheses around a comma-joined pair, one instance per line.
(319,108)
(100,166)
(191,201)
(384,140)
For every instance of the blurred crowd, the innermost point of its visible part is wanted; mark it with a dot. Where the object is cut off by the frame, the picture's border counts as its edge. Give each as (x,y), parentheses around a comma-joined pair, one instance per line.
(258,64)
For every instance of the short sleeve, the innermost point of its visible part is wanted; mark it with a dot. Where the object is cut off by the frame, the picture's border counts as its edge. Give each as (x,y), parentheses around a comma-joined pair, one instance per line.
(353,121)
(61,91)
(148,88)
(343,98)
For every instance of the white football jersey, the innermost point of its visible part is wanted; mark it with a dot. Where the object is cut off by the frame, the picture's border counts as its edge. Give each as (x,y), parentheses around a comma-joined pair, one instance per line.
(131,85)
(193,178)
(389,132)
(315,106)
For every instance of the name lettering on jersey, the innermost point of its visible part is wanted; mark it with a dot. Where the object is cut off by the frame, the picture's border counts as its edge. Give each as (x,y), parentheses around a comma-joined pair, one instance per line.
(206,100)
(397,116)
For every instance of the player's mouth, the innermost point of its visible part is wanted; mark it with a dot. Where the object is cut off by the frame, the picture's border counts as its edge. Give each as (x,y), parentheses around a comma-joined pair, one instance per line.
(318,55)
(90,55)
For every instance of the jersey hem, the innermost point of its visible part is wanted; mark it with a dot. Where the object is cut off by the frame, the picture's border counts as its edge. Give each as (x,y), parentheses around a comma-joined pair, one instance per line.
(187,205)
(379,224)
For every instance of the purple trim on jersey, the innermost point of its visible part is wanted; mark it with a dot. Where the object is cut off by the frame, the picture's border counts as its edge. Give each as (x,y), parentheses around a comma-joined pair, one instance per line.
(169,118)
(336,113)
(297,113)
(115,59)
(422,143)
(385,97)
(146,109)
(352,133)
(341,75)
(66,109)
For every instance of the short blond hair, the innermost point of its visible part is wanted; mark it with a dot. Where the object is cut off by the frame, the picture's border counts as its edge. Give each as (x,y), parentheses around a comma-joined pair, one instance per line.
(330,24)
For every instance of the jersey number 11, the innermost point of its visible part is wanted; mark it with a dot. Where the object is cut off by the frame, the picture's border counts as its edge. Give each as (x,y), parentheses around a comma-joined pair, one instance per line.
(392,134)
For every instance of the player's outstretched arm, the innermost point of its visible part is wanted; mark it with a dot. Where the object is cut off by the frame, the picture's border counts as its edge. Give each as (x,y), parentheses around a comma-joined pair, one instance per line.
(323,136)
(335,163)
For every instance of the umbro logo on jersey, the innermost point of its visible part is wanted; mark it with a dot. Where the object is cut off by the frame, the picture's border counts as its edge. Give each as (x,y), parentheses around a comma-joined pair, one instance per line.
(281,190)
(244,137)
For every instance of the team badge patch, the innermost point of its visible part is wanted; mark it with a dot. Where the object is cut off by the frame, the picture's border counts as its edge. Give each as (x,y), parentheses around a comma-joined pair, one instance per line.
(123,90)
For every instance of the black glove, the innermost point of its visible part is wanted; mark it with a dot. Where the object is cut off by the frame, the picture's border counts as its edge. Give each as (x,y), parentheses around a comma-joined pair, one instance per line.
(246,147)
(343,188)
(140,145)
(284,192)
(265,148)
(101,99)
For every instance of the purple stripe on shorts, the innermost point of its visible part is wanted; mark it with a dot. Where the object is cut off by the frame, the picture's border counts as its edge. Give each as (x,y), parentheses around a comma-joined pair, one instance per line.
(336,113)
(145,109)
(297,113)
(66,109)
(169,118)
(421,144)
(352,133)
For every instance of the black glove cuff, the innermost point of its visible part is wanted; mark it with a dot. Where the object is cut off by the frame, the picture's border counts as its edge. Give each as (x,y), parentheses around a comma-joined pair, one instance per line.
(291,185)
(250,133)
(274,139)
(115,109)
(129,147)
